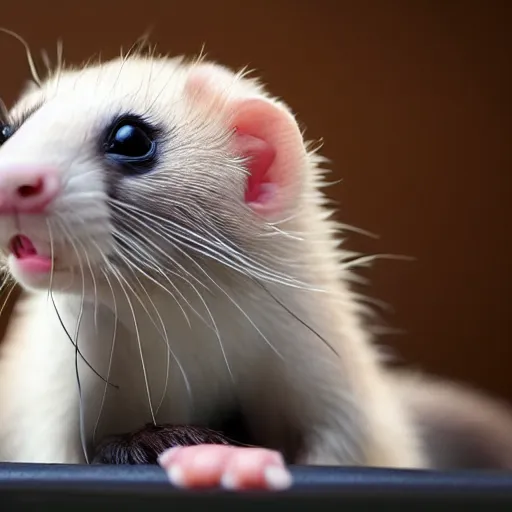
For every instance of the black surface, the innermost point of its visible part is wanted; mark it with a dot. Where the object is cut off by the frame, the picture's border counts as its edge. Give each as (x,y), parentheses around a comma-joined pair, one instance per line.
(42,487)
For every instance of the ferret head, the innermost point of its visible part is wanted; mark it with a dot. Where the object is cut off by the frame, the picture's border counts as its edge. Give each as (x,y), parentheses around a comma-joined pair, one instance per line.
(148,166)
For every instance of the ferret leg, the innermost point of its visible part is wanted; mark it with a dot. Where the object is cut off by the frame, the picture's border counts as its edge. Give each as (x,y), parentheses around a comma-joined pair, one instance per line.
(38,392)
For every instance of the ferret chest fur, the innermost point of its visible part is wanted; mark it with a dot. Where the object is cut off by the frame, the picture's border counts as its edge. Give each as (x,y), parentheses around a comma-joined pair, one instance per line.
(189,368)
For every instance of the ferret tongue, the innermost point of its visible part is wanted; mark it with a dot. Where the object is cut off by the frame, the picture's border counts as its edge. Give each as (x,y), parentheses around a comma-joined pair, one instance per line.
(27,256)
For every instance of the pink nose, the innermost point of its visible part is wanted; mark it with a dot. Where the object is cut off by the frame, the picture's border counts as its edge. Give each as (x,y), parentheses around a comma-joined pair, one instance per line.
(27,188)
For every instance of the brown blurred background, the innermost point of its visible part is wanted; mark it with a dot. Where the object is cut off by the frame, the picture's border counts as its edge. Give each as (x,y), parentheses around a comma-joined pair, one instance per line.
(413,100)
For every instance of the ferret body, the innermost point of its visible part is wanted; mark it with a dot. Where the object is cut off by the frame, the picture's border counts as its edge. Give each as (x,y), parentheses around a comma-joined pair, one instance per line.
(199,276)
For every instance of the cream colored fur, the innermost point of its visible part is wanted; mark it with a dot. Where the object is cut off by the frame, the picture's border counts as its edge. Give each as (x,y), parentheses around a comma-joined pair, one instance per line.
(343,404)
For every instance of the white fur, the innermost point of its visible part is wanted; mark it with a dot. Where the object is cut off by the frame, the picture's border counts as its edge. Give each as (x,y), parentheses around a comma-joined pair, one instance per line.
(343,404)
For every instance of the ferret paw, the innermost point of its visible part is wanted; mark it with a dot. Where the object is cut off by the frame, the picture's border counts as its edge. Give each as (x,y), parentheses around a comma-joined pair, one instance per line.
(234,468)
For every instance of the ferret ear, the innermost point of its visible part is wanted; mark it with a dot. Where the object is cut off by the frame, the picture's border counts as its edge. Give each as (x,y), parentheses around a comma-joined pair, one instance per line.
(266,136)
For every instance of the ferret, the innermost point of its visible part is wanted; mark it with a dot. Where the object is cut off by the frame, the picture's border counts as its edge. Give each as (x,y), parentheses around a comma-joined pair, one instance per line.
(166,220)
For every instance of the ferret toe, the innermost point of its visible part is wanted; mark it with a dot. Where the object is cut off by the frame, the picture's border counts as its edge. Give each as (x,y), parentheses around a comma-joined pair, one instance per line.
(233,468)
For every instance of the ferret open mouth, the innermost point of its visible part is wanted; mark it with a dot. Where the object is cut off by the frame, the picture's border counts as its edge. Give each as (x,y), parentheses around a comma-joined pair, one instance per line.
(22,248)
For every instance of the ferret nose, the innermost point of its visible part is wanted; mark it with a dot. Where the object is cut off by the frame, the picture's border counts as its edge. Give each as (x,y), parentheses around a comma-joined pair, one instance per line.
(27,188)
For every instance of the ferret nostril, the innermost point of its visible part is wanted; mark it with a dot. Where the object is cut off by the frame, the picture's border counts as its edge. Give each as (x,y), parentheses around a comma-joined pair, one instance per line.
(31,190)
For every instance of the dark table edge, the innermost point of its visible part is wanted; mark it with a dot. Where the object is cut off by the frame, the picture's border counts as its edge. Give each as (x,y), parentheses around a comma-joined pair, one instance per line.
(68,487)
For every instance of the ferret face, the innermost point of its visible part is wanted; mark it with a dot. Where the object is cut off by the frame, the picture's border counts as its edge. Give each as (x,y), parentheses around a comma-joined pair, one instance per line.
(144,166)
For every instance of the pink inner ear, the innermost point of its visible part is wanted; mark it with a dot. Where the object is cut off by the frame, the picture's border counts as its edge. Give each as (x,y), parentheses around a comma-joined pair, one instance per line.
(266,136)
(260,156)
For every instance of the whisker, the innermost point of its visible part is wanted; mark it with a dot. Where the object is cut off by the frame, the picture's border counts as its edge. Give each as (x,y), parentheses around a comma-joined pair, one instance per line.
(7,297)
(238,307)
(207,250)
(120,278)
(95,289)
(279,232)
(30,60)
(177,230)
(166,339)
(359,231)
(163,333)
(64,328)
(245,315)
(111,358)
(50,237)
(243,267)
(158,248)
(93,278)
(169,350)
(161,272)
(120,253)
(77,331)
(296,317)
(217,333)
(214,248)
(214,325)
(363,260)
(201,298)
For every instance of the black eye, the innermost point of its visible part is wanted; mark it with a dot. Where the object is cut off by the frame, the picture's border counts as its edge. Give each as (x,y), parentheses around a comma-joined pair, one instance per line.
(131,143)
(5,132)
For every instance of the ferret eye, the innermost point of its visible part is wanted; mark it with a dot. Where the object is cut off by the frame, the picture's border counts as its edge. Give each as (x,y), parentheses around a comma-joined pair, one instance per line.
(5,132)
(131,142)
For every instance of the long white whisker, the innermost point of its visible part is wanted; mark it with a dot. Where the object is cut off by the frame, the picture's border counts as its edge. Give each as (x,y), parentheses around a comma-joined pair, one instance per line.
(217,333)
(95,313)
(246,316)
(169,351)
(166,339)
(363,260)
(77,330)
(162,272)
(30,59)
(120,279)
(172,236)
(158,248)
(214,325)
(50,291)
(134,268)
(111,358)
(206,247)
(119,253)
(244,265)
(163,333)
(95,288)
(238,307)
(278,232)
